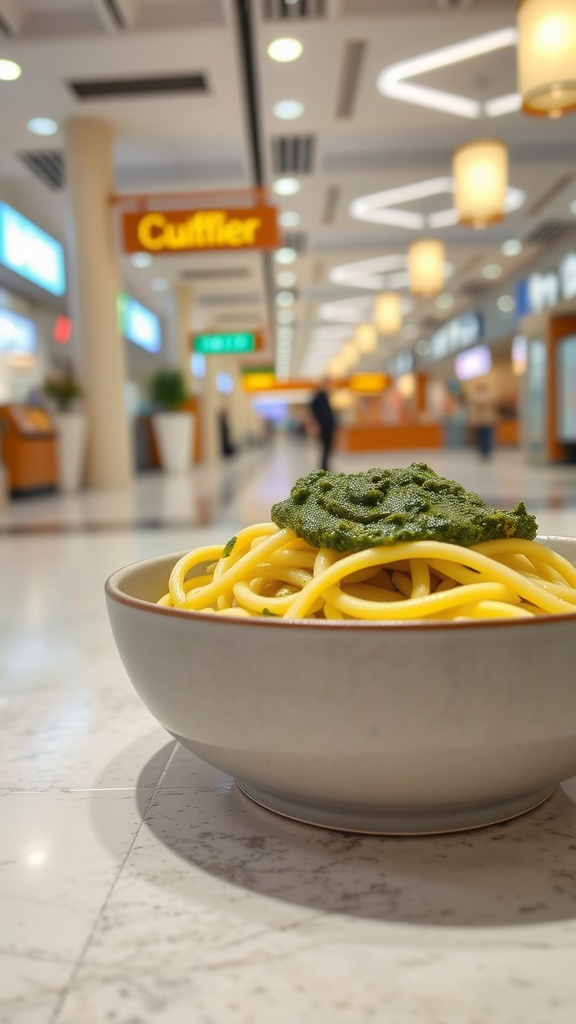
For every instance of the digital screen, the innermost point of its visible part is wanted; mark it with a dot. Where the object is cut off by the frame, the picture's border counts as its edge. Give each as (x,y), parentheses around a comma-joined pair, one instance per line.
(566,406)
(30,252)
(17,333)
(139,325)
(473,362)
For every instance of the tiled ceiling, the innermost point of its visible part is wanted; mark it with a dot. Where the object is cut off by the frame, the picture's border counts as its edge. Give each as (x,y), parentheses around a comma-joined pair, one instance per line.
(349,141)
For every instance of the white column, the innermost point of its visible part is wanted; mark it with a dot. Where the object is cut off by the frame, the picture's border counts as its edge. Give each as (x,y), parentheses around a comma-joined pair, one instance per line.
(210,407)
(182,331)
(95,285)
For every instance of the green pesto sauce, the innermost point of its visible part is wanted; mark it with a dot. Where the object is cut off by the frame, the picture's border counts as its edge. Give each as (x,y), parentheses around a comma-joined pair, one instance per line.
(349,512)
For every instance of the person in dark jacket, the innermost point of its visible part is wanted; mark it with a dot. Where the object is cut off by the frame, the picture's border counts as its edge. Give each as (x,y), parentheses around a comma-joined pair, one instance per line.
(325,419)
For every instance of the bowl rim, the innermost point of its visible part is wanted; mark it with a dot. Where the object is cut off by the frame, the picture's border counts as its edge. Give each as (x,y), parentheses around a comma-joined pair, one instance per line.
(118,596)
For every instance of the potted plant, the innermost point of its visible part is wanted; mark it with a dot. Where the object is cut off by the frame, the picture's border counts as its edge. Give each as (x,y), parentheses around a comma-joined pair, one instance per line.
(62,390)
(172,424)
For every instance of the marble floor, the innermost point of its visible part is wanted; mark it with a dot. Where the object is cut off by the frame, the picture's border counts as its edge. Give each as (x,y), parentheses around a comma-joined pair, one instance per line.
(138,885)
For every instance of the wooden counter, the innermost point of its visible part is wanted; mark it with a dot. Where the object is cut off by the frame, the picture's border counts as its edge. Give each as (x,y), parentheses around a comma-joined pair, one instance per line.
(390,437)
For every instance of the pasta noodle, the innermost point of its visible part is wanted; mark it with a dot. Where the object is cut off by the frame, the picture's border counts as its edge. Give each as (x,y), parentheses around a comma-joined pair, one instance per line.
(268,570)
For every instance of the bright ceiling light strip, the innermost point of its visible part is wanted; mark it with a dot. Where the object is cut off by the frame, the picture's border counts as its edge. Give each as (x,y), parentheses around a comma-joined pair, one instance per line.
(391,81)
(503,105)
(374,209)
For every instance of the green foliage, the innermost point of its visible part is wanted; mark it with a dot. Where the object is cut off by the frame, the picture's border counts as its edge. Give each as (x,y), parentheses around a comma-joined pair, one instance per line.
(168,389)
(62,387)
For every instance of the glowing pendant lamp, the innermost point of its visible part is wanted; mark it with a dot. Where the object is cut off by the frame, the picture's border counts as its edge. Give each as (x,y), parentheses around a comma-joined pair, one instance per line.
(349,353)
(547,56)
(480,172)
(366,338)
(426,267)
(388,313)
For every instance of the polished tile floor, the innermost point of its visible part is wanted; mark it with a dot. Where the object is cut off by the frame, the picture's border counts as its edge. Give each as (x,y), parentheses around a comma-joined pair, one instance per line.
(138,885)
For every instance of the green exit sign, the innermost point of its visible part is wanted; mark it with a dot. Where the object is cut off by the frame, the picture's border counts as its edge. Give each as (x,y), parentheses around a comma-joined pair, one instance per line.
(224,344)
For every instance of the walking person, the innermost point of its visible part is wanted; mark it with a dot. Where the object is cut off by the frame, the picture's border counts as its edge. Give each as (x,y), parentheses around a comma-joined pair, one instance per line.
(482,418)
(324,417)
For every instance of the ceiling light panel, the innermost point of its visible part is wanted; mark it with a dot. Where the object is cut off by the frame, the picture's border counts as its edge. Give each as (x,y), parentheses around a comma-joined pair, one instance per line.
(393,81)
(381,208)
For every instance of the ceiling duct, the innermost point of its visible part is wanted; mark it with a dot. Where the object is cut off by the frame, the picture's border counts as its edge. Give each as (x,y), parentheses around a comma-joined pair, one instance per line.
(347,91)
(214,275)
(295,240)
(330,204)
(276,10)
(112,11)
(293,154)
(154,85)
(547,231)
(47,165)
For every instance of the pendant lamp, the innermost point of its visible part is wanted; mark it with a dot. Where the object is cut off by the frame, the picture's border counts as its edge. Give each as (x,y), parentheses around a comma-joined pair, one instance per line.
(388,313)
(366,338)
(547,56)
(426,267)
(480,172)
(350,353)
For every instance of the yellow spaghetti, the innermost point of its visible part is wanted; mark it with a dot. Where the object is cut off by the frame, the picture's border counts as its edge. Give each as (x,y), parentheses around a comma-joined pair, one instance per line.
(269,570)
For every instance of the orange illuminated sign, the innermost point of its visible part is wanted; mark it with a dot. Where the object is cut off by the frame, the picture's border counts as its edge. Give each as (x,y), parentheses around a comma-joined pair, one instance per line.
(168,231)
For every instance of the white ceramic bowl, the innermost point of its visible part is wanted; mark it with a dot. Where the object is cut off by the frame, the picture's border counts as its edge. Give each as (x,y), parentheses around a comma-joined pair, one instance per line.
(396,728)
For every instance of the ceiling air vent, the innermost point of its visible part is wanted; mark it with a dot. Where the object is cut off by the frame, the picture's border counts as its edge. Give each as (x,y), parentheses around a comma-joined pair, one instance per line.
(293,154)
(472,289)
(48,165)
(295,240)
(547,231)
(158,85)
(214,275)
(352,62)
(275,10)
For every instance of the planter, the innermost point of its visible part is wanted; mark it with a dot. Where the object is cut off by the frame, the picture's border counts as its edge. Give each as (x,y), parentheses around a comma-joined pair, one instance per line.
(174,433)
(71,448)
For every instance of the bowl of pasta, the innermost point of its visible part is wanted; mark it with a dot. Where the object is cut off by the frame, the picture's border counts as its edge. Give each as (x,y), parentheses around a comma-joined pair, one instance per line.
(385,682)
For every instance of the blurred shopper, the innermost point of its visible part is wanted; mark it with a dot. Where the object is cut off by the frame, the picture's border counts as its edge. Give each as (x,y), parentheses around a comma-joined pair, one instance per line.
(226,446)
(325,420)
(482,418)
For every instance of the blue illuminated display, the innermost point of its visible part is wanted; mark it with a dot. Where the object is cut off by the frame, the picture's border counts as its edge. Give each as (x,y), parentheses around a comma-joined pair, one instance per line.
(30,252)
(139,325)
(17,333)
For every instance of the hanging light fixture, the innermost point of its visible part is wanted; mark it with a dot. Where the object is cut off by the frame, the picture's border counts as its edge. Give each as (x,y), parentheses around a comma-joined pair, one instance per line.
(388,313)
(480,172)
(366,338)
(547,56)
(426,267)
(349,353)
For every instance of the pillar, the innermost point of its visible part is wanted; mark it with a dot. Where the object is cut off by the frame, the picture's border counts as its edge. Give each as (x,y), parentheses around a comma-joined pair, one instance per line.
(211,403)
(95,287)
(182,332)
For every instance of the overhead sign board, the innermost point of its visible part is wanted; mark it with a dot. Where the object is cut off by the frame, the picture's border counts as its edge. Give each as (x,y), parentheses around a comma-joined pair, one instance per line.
(170,231)
(224,344)
(546,289)
(459,333)
(30,252)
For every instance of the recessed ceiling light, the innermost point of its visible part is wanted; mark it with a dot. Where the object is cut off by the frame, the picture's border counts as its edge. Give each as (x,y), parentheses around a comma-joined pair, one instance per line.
(285,333)
(286,278)
(289,219)
(159,284)
(285,255)
(423,347)
(285,49)
(445,301)
(42,126)
(512,247)
(285,299)
(409,331)
(9,71)
(141,259)
(392,81)
(492,271)
(288,110)
(286,186)
(506,303)
(285,316)
(573,206)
